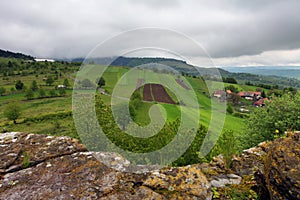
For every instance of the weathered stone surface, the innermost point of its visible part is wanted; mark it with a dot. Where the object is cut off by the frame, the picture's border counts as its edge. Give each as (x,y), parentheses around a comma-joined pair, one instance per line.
(186,182)
(36,148)
(275,166)
(282,168)
(250,160)
(223,180)
(44,167)
(60,168)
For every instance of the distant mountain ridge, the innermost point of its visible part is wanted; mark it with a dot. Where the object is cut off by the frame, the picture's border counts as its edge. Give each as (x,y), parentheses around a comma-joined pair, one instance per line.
(284,71)
(180,66)
(209,73)
(9,54)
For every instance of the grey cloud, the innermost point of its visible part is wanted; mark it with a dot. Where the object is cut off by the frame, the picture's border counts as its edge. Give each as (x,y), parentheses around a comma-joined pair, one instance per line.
(71,28)
(157,4)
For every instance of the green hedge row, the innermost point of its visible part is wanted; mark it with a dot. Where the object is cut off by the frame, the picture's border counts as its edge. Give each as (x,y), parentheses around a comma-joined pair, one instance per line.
(48,116)
(241,115)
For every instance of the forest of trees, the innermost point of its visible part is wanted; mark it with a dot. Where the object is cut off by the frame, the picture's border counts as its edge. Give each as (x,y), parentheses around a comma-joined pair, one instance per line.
(9,54)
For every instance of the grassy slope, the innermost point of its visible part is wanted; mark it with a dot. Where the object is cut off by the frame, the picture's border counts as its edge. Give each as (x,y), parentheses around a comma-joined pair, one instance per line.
(40,107)
(37,107)
(173,111)
(238,86)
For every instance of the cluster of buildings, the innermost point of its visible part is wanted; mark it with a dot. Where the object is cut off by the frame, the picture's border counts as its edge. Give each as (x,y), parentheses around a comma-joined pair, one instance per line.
(256,97)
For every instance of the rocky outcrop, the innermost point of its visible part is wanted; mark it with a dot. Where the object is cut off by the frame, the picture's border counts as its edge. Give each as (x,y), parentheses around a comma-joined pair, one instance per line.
(36,166)
(275,166)
(19,150)
(282,168)
(45,167)
(251,160)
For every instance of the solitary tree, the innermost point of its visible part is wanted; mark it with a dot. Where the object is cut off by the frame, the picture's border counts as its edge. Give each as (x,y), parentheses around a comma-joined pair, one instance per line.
(263,94)
(49,80)
(42,93)
(34,86)
(12,111)
(101,82)
(19,85)
(29,94)
(66,82)
(229,109)
(10,65)
(61,91)
(2,91)
(86,83)
(52,93)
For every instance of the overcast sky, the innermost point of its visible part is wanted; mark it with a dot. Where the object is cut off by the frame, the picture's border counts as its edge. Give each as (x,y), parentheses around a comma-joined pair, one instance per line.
(240,33)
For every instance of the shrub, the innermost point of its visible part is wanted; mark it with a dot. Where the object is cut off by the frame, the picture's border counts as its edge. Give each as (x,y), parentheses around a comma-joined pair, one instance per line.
(42,93)
(29,94)
(19,85)
(26,160)
(49,80)
(280,113)
(241,115)
(34,86)
(61,91)
(228,146)
(66,82)
(52,93)
(50,116)
(2,91)
(12,111)
(229,109)
(101,82)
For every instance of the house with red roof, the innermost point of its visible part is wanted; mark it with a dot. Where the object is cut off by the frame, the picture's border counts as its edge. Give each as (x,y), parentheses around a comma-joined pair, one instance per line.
(260,102)
(250,95)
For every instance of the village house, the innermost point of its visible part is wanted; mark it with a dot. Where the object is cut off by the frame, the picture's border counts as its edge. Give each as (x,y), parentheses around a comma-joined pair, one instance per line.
(228,92)
(102,91)
(260,102)
(221,94)
(250,95)
(61,87)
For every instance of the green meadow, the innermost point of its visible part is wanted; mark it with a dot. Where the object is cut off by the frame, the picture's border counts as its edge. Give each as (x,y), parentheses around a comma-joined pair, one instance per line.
(52,115)
(174,111)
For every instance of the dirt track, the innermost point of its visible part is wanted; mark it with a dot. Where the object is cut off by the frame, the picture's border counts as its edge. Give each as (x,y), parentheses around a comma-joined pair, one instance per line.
(140,83)
(180,82)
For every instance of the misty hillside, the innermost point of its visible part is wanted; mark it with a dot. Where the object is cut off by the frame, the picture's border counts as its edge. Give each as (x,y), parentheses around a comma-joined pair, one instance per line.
(209,73)
(284,71)
(9,54)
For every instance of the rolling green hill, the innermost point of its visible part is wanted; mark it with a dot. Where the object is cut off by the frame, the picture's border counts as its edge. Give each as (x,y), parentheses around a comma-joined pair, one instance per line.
(39,114)
(173,111)
(208,73)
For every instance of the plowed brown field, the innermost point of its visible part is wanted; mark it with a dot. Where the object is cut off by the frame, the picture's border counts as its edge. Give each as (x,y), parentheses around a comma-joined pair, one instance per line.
(158,93)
